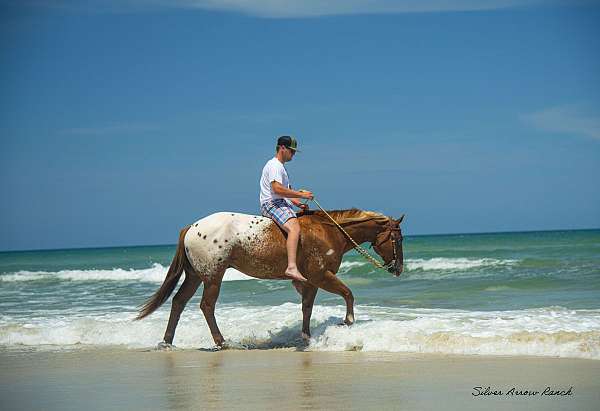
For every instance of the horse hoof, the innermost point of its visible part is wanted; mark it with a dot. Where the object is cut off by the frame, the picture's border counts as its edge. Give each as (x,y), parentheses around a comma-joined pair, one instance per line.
(220,347)
(305,337)
(165,346)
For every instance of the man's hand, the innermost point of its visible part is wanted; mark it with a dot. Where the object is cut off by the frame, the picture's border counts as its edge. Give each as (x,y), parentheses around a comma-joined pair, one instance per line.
(306,194)
(299,204)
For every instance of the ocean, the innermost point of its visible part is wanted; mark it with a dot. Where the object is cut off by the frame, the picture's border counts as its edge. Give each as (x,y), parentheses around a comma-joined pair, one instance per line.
(530,293)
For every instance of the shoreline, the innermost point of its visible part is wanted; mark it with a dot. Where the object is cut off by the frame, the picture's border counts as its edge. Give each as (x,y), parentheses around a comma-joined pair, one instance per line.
(289,379)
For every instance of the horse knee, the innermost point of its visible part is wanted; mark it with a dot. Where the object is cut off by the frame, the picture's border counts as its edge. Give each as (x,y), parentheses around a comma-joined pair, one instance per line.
(205,306)
(306,306)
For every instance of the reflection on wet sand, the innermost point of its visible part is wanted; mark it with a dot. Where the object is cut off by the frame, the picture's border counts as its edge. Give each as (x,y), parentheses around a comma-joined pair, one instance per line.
(242,379)
(193,383)
(282,379)
(236,379)
(306,381)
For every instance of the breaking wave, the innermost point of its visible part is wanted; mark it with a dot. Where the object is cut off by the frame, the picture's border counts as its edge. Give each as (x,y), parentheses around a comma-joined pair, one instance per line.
(434,264)
(157,273)
(550,331)
(349,265)
(154,274)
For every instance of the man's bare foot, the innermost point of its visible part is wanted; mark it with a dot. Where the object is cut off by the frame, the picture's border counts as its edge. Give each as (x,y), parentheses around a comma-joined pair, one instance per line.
(294,274)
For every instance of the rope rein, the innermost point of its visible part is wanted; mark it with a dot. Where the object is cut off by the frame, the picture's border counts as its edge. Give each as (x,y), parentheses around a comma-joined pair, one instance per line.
(357,247)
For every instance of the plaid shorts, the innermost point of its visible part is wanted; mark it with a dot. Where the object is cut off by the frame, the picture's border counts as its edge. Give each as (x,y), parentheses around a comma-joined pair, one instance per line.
(278,210)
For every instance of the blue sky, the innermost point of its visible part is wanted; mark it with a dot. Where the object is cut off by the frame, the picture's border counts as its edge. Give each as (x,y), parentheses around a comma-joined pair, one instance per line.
(121,122)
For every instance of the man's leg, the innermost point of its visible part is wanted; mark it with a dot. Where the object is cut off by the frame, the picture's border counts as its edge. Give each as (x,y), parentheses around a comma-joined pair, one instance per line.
(292,228)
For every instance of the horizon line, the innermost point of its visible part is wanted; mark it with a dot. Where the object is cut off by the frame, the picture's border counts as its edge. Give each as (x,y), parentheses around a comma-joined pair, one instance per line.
(104,247)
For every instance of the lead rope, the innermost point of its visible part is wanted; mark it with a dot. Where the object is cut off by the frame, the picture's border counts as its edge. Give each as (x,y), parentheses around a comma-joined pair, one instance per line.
(357,247)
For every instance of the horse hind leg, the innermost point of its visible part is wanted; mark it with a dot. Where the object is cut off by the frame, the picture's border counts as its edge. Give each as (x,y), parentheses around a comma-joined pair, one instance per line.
(308,293)
(308,298)
(212,287)
(185,292)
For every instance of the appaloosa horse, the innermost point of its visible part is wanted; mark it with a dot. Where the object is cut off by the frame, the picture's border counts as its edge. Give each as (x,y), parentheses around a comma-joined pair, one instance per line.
(256,246)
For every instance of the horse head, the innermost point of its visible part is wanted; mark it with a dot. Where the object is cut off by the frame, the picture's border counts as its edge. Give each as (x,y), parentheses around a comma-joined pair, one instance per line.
(388,244)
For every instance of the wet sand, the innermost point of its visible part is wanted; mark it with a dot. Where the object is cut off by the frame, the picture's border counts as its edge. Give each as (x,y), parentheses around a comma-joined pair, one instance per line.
(288,380)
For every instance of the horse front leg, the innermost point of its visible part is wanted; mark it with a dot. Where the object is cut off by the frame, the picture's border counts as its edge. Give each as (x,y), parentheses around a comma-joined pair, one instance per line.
(334,285)
(185,292)
(207,305)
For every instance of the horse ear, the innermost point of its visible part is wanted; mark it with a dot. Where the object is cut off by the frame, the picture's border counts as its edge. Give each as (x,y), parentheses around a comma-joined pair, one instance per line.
(401,218)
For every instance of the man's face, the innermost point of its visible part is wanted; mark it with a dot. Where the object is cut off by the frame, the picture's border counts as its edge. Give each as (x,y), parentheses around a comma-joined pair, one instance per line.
(288,153)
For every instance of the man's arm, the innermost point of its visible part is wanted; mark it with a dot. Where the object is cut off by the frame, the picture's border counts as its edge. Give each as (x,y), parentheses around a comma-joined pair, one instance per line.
(279,189)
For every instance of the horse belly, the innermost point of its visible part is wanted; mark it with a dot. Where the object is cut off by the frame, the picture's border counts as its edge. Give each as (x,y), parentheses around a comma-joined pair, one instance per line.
(261,251)
(261,259)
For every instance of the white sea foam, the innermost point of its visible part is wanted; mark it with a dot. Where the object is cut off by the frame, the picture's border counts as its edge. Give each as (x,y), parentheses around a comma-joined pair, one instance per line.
(551,331)
(349,265)
(455,263)
(438,264)
(154,274)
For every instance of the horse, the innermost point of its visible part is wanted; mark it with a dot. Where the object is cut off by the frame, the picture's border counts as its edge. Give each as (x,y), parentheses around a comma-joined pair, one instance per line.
(255,246)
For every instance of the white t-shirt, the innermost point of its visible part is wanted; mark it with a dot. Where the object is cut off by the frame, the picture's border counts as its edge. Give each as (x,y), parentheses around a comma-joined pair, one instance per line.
(272,171)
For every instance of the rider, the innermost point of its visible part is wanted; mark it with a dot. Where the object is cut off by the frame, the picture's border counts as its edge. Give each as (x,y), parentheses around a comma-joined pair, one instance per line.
(277,197)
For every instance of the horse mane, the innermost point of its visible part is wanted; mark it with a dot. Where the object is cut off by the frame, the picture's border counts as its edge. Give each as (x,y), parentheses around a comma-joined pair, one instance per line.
(346,217)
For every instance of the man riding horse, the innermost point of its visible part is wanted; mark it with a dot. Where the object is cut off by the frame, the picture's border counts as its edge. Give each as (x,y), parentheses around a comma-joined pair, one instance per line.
(255,246)
(275,190)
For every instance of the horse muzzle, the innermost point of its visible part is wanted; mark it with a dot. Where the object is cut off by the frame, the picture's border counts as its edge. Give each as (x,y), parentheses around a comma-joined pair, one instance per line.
(396,269)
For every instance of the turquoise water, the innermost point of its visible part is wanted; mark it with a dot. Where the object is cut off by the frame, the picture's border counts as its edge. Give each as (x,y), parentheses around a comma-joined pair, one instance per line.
(488,289)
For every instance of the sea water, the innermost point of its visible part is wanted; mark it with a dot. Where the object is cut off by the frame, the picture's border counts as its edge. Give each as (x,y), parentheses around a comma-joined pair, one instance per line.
(532,293)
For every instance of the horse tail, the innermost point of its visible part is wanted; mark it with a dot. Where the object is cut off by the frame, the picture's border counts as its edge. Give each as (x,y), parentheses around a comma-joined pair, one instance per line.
(168,285)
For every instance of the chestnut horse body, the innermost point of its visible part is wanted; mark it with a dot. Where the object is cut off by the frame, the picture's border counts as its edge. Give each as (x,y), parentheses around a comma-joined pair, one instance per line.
(256,246)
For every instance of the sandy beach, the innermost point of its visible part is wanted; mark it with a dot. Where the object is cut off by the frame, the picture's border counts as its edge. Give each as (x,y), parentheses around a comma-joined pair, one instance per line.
(287,379)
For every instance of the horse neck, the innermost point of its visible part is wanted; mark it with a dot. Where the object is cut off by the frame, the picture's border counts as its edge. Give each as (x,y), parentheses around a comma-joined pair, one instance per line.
(361,232)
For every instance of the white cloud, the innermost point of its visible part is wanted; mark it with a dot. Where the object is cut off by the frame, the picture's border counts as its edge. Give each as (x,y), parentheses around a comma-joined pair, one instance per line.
(295,8)
(312,8)
(567,119)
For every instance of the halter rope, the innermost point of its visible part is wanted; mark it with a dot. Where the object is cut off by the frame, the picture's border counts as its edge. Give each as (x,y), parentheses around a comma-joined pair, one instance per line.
(357,247)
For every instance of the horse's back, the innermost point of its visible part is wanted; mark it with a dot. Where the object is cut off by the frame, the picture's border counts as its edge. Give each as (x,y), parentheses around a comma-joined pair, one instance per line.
(209,240)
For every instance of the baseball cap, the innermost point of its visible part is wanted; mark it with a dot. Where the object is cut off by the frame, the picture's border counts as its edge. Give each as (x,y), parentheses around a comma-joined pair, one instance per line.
(289,142)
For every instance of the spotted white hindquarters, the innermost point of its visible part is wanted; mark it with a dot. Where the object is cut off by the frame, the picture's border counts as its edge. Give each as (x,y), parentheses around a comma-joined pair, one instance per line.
(209,240)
